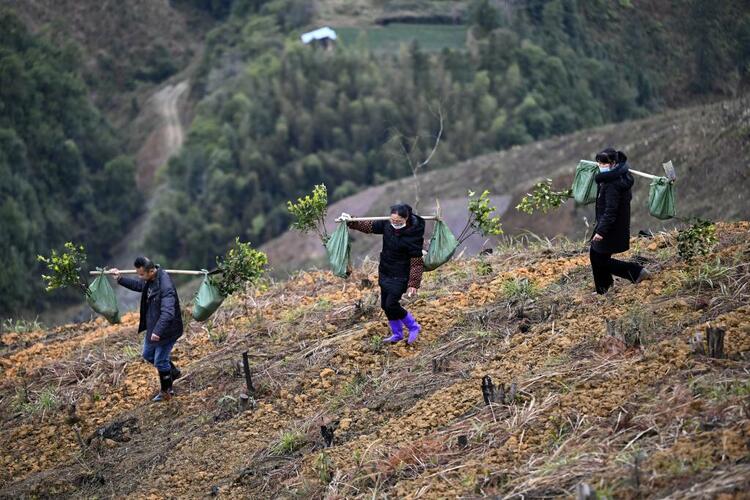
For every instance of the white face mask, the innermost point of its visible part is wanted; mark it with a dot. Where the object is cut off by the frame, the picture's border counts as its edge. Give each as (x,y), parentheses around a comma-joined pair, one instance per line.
(399,226)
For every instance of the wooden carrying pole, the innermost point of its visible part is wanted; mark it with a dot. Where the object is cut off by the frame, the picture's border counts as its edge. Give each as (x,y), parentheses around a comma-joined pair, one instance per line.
(170,271)
(668,170)
(643,174)
(355,219)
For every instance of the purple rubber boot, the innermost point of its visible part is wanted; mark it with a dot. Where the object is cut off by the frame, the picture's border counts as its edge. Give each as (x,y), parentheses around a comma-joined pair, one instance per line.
(413,326)
(397,327)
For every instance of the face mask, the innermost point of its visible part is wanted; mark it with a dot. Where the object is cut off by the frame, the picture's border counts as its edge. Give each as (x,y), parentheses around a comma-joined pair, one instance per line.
(604,169)
(399,226)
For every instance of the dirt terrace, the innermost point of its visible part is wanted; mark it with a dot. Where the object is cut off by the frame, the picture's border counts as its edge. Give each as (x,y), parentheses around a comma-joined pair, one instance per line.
(631,412)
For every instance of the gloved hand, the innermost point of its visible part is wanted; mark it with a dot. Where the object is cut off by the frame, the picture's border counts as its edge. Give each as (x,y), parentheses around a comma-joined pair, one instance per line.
(345,216)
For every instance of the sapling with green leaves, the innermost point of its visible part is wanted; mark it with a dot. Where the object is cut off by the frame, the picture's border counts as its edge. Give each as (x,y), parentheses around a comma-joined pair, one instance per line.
(481,221)
(543,198)
(240,266)
(698,239)
(310,212)
(64,268)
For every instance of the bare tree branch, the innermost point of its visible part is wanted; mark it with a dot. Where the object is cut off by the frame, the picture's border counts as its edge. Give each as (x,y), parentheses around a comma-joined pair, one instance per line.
(416,168)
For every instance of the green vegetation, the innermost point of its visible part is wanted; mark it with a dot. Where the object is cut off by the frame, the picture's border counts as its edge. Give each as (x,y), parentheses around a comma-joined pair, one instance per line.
(323,466)
(519,289)
(21,325)
(389,39)
(288,443)
(28,403)
(65,268)
(310,212)
(481,221)
(706,275)
(61,177)
(295,116)
(542,198)
(242,265)
(698,239)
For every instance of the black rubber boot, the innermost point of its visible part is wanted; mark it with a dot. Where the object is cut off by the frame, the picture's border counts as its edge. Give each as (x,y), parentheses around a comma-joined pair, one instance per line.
(166,392)
(176,373)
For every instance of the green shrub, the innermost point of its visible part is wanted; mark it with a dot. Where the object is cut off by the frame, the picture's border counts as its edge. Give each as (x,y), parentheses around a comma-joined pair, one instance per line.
(698,239)
(310,211)
(543,198)
(241,265)
(481,221)
(65,268)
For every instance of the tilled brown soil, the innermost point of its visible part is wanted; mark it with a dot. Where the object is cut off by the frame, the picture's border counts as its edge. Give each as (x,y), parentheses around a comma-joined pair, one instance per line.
(648,419)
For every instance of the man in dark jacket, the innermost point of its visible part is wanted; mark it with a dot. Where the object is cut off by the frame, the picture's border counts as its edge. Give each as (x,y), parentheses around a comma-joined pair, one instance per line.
(612,231)
(161,319)
(401,266)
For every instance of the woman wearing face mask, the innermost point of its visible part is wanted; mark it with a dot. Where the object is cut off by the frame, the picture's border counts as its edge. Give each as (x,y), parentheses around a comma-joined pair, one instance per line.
(401,265)
(612,230)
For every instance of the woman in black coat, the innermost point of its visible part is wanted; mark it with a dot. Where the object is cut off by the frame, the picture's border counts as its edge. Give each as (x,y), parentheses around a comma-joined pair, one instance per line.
(612,231)
(401,265)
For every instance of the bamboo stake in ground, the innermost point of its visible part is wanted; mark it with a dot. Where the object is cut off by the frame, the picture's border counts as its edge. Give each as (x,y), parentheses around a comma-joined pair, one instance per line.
(248,379)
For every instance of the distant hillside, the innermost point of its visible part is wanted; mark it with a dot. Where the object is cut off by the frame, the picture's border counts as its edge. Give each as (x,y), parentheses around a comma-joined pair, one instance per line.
(127,47)
(605,391)
(704,143)
(277,116)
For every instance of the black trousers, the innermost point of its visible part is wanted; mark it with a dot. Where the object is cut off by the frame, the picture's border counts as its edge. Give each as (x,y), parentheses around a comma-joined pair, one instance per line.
(604,266)
(391,290)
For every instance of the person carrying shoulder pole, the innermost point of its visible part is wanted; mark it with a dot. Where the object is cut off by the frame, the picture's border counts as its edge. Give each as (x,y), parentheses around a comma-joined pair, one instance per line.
(401,265)
(161,319)
(612,230)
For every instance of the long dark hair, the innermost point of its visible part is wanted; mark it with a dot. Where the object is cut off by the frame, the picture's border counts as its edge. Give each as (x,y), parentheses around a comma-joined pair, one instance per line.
(402,210)
(610,156)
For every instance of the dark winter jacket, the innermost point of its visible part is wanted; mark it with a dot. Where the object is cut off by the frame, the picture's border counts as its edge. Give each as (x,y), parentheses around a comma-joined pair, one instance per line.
(160,306)
(613,195)
(401,257)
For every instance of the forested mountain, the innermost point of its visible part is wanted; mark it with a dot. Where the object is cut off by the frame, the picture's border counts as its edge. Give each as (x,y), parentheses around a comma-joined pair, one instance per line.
(276,116)
(271,116)
(62,173)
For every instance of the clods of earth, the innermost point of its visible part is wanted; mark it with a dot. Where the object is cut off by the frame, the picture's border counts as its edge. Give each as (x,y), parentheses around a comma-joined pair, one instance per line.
(522,383)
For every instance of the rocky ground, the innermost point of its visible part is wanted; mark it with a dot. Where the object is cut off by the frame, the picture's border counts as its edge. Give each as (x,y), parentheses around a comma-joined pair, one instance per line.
(630,409)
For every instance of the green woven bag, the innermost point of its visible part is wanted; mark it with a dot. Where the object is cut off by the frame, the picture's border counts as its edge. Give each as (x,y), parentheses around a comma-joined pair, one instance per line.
(584,184)
(442,246)
(661,198)
(207,300)
(339,251)
(101,297)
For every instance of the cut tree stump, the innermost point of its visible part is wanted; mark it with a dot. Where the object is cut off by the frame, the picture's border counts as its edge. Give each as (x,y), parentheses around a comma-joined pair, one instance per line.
(327,432)
(488,390)
(501,394)
(715,342)
(440,365)
(696,344)
(512,393)
(585,492)
(245,402)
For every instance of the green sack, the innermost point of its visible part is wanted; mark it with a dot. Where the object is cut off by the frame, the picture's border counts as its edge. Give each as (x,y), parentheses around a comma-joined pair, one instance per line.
(207,300)
(339,251)
(101,298)
(442,246)
(661,198)
(584,185)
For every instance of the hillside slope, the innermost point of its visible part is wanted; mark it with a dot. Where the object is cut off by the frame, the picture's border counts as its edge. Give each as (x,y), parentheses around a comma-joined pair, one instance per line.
(631,420)
(705,143)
